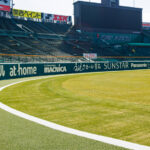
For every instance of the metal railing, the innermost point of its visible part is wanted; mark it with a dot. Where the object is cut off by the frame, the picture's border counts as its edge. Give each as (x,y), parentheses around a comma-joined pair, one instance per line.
(16,58)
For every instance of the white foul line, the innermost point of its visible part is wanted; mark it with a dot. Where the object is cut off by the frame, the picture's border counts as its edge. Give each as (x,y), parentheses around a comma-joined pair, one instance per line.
(61,128)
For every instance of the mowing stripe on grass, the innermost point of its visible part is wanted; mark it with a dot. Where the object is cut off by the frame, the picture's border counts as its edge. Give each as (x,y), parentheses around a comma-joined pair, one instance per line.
(54,126)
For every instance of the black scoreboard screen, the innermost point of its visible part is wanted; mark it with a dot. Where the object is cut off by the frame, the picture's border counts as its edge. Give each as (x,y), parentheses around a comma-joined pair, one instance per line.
(100,17)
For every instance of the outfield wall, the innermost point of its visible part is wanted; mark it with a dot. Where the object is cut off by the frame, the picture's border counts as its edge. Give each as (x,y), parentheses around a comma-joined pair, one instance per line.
(11,71)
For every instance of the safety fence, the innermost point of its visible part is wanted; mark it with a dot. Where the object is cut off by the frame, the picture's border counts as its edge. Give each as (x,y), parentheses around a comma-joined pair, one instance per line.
(19,58)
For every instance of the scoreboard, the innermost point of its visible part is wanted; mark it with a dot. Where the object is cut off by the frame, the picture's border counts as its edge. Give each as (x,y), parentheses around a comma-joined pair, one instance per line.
(97,16)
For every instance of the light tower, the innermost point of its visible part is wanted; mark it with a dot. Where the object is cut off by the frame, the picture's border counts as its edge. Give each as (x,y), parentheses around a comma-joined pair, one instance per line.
(110,3)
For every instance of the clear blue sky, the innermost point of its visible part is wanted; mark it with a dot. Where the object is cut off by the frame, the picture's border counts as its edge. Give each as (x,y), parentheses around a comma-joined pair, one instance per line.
(65,7)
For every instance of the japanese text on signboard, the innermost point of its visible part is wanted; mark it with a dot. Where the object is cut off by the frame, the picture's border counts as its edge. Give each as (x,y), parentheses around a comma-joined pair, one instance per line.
(57,18)
(26,14)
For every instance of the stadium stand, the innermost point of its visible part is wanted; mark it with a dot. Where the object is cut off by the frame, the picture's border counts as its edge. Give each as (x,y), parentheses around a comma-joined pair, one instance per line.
(22,38)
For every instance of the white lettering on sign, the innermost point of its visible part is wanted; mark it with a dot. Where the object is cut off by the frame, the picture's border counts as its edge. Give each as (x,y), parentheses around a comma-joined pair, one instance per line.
(54,68)
(13,72)
(139,65)
(116,65)
(2,71)
(87,67)
(26,70)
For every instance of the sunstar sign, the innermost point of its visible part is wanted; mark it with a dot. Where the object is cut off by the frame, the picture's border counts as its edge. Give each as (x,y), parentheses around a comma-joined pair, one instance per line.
(5,5)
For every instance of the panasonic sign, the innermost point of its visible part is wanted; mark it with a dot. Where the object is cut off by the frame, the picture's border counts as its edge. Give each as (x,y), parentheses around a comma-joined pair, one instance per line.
(133,65)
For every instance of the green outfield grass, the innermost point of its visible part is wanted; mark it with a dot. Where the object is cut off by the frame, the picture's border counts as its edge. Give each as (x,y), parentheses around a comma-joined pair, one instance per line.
(114,104)
(21,134)
(17,133)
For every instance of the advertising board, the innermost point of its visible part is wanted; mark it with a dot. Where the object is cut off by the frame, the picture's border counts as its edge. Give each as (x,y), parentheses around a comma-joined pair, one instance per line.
(90,55)
(27,14)
(5,5)
(10,71)
(57,18)
(146,25)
